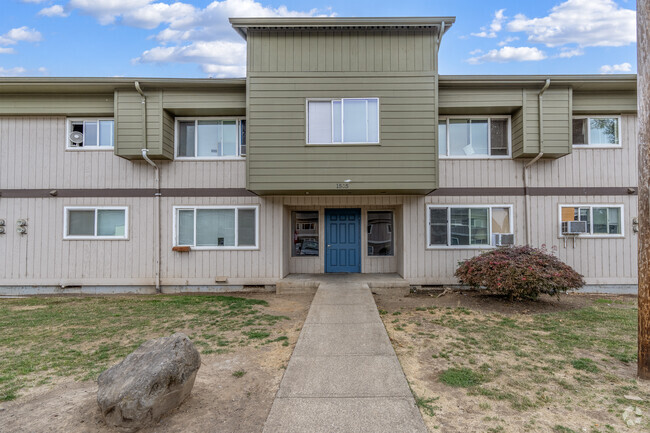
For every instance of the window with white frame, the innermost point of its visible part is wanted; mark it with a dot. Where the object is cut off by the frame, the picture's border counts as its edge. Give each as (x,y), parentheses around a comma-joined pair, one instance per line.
(95,222)
(474,136)
(90,134)
(217,227)
(596,131)
(466,226)
(343,121)
(602,220)
(210,138)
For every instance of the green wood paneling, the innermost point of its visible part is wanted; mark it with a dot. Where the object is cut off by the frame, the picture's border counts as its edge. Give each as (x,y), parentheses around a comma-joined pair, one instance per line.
(57,104)
(604,102)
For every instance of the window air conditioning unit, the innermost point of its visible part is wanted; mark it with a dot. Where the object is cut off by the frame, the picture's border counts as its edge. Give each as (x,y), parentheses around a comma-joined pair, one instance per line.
(502,239)
(574,227)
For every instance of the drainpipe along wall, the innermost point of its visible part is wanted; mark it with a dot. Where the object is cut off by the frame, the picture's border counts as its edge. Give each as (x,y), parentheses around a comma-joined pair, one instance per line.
(534,160)
(157,194)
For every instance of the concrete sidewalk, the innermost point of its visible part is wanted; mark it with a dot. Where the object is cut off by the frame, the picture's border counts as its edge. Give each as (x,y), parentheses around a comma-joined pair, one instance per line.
(344,375)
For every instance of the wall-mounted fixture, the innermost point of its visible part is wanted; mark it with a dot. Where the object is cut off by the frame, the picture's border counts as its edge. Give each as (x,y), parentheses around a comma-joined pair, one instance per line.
(635,225)
(21,226)
(2,226)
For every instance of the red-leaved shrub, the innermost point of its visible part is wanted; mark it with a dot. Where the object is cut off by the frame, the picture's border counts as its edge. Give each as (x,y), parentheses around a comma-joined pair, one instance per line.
(519,273)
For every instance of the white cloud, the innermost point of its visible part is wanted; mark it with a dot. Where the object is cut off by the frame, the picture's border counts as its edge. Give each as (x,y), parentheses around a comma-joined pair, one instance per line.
(107,11)
(20,34)
(33,1)
(582,22)
(4,50)
(509,54)
(613,69)
(475,52)
(495,26)
(507,40)
(12,72)
(567,53)
(54,11)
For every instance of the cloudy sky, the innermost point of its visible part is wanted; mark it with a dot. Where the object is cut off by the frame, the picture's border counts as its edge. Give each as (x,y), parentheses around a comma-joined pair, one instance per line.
(192,38)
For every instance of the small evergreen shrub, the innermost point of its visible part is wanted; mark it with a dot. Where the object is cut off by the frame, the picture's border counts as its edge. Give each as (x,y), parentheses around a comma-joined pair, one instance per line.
(519,272)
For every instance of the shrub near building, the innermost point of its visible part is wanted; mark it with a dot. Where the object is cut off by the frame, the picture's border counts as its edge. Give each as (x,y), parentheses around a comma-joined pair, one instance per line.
(519,272)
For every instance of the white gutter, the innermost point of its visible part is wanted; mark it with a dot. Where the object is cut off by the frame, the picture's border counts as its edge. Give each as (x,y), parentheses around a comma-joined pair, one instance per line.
(534,160)
(157,194)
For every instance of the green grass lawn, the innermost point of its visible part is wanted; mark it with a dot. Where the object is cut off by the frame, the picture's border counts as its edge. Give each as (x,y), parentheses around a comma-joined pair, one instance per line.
(41,338)
(537,366)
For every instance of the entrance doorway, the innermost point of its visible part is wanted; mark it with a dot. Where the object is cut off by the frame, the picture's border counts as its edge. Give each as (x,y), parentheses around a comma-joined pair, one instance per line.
(343,240)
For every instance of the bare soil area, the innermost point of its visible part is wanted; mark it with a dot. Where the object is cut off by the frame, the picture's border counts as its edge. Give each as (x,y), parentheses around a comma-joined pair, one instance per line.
(477,363)
(221,401)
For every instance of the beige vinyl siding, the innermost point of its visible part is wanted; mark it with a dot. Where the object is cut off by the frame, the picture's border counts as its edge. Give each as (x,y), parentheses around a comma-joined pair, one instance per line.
(57,104)
(615,167)
(340,51)
(604,102)
(33,156)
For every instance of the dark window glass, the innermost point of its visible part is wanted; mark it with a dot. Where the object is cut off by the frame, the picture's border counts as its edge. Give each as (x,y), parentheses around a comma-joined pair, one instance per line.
(380,233)
(242,138)
(499,137)
(579,131)
(438,226)
(305,233)
(186,133)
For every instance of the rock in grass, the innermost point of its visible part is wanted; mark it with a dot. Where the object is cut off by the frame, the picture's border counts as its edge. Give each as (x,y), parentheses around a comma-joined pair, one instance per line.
(148,383)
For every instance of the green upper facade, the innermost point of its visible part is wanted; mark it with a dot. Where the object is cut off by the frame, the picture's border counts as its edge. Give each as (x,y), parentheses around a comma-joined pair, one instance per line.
(334,106)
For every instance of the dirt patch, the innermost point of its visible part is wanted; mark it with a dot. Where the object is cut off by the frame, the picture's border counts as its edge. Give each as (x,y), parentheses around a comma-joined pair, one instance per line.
(220,401)
(554,366)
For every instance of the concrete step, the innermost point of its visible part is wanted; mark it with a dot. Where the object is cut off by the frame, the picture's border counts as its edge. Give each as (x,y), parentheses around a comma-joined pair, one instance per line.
(293,287)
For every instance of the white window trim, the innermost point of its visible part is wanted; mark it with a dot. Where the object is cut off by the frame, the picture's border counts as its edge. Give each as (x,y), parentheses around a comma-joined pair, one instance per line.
(591,220)
(489,118)
(464,206)
(238,119)
(66,217)
(392,211)
(215,247)
(598,146)
(343,143)
(68,130)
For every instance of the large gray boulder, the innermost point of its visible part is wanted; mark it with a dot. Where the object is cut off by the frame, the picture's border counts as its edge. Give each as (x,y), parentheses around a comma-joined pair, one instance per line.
(148,383)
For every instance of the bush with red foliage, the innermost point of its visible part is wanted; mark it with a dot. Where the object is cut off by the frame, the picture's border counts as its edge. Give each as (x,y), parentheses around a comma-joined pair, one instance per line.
(519,272)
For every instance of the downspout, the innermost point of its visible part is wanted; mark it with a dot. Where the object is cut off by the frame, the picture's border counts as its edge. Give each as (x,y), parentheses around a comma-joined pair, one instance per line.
(534,160)
(157,194)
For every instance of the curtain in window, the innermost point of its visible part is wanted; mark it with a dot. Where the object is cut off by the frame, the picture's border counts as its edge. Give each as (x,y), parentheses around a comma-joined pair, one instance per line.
(320,121)
(209,132)
(215,227)
(442,138)
(81,223)
(229,138)
(185,227)
(355,125)
(106,133)
(603,131)
(90,134)
(246,229)
(110,222)
(500,220)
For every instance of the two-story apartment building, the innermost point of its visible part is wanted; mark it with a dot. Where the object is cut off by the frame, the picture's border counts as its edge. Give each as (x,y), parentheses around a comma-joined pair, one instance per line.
(343,150)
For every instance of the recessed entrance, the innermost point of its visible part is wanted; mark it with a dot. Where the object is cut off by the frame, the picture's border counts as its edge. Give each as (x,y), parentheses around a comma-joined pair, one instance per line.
(343,240)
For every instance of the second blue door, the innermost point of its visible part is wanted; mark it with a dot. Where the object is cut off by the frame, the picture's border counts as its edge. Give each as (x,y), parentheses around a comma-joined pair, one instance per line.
(343,236)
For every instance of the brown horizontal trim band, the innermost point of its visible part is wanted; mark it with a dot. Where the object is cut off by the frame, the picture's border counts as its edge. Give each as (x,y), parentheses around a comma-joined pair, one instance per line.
(132,192)
(535,191)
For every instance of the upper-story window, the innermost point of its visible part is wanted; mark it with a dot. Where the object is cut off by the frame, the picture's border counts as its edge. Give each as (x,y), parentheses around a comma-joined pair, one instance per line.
(90,134)
(343,121)
(596,131)
(474,137)
(210,138)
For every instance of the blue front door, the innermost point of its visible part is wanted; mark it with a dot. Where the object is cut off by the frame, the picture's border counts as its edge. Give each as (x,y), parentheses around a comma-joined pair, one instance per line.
(343,236)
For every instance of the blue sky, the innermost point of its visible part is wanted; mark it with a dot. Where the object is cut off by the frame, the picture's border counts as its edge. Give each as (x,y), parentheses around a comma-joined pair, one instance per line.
(192,38)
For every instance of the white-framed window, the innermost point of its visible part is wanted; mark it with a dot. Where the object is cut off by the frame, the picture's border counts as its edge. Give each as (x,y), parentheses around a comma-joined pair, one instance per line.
(90,134)
(474,137)
(343,121)
(96,222)
(216,227)
(596,131)
(210,138)
(380,239)
(467,226)
(603,220)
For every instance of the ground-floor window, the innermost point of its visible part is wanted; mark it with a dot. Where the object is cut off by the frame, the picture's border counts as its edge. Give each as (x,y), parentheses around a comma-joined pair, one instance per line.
(467,226)
(217,227)
(305,233)
(598,220)
(95,222)
(380,233)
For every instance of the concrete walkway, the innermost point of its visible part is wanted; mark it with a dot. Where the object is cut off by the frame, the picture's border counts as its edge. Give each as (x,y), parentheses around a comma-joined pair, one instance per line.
(344,375)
